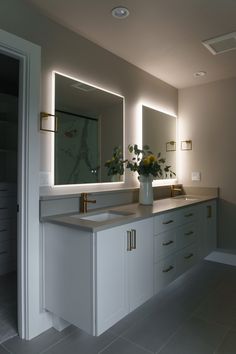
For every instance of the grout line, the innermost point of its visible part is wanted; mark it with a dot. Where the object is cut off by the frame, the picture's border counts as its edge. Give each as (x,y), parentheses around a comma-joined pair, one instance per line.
(57,342)
(223,338)
(174,333)
(108,345)
(138,345)
(3,346)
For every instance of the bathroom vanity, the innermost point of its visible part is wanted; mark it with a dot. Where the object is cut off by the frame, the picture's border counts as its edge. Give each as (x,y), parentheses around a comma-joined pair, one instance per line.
(101,266)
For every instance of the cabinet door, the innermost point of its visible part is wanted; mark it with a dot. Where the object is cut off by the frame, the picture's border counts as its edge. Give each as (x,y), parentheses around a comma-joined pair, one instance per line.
(111,274)
(140,261)
(209,227)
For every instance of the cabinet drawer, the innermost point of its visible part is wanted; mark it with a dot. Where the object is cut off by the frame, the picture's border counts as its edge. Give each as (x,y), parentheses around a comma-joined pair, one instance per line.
(7,189)
(187,215)
(165,222)
(7,251)
(7,229)
(7,267)
(186,235)
(7,207)
(164,244)
(164,273)
(186,258)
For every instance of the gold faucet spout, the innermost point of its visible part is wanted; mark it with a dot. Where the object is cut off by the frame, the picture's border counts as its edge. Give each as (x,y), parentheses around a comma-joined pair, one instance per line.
(84,202)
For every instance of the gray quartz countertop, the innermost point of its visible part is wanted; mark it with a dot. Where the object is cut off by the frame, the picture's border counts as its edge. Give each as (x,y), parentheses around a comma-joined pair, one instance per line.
(127,213)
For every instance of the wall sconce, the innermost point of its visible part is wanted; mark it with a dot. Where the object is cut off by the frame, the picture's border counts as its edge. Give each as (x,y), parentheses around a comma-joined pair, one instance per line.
(186,145)
(170,146)
(45,124)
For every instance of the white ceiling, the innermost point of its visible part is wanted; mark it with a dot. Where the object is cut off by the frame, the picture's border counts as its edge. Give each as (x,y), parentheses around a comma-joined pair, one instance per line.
(162,37)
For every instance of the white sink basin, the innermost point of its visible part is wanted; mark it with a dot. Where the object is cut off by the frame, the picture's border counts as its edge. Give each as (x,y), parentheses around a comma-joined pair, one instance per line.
(186,197)
(104,216)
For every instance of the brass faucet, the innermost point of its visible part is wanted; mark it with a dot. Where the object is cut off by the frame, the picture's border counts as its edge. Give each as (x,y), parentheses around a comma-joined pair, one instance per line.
(176,188)
(84,202)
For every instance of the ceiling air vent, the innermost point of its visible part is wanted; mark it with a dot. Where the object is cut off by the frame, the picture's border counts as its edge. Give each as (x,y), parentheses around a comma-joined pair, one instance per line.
(221,44)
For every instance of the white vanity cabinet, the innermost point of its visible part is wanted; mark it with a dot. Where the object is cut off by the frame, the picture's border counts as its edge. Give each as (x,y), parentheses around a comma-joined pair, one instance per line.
(124,270)
(94,279)
(208,227)
(176,244)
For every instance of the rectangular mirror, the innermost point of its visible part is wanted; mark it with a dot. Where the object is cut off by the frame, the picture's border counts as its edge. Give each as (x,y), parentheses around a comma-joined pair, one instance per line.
(89,126)
(159,132)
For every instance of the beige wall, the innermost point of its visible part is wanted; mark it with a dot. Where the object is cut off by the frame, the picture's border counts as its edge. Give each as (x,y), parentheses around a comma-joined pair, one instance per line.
(67,52)
(207,115)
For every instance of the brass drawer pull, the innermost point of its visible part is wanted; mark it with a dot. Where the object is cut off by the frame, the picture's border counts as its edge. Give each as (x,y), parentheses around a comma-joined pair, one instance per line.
(3,252)
(129,246)
(168,269)
(167,243)
(133,239)
(167,222)
(3,230)
(189,233)
(189,256)
(188,215)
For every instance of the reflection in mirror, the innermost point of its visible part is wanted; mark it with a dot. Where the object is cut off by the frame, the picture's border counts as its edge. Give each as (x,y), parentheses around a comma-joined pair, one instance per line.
(89,126)
(159,132)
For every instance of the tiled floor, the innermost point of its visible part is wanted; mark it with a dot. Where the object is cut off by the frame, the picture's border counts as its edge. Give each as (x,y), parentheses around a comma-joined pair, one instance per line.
(8,309)
(195,315)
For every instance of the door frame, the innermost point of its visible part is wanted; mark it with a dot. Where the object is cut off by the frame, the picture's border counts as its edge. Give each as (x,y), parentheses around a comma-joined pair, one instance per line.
(30,321)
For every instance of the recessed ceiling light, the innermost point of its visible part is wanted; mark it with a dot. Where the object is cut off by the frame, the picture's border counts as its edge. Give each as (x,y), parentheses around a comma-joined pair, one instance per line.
(199,73)
(120,12)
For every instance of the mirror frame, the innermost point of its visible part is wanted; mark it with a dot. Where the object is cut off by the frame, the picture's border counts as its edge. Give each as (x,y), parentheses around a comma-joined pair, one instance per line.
(85,185)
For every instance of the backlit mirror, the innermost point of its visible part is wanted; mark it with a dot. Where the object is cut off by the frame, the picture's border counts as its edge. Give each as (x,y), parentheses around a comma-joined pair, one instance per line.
(159,132)
(89,126)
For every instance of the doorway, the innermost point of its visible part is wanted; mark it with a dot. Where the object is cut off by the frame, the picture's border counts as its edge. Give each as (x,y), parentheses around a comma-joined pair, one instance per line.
(9,103)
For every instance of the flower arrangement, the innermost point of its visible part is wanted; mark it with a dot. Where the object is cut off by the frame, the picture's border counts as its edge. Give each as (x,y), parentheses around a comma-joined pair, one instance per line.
(146,163)
(115,165)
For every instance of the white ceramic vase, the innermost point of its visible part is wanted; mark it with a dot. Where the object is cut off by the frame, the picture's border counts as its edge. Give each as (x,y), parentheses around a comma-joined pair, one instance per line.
(146,190)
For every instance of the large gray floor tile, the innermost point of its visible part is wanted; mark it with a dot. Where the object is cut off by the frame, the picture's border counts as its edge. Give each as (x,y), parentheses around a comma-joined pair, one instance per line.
(80,342)
(195,337)
(3,351)
(219,307)
(152,332)
(38,344)
(228,346)
(122,346)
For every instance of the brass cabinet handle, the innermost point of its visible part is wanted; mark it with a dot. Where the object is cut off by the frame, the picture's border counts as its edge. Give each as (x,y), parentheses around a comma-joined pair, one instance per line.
(133,239)
(129,246)
(3,252)
(189,256)
(189,233)
(188,215)
(167,243)
(167,222)
(168,269)
(209,211)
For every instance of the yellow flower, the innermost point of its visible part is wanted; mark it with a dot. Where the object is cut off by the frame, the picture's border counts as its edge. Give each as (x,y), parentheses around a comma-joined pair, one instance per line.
(146,161)
(152,158)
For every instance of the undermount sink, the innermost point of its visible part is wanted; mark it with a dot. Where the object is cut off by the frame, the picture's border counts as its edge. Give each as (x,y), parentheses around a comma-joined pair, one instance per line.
(186,197)
(103,216)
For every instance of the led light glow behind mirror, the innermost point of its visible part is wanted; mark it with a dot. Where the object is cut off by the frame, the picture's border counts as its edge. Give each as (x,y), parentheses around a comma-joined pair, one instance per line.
(159,132)
(90,125)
